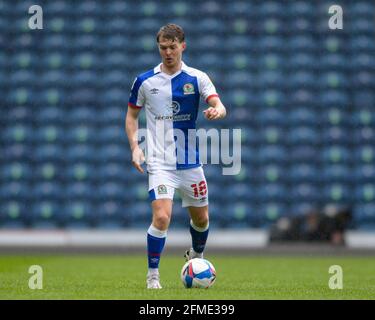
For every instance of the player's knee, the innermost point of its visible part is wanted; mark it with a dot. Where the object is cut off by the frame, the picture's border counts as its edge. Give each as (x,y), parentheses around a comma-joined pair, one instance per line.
(161,220)
(201,221)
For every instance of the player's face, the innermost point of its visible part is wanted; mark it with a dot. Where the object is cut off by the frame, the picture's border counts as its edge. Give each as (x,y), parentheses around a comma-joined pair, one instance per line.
(171,51)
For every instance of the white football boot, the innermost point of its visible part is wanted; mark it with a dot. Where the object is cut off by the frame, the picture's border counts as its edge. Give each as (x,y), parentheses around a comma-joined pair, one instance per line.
(191,254)
(153,281)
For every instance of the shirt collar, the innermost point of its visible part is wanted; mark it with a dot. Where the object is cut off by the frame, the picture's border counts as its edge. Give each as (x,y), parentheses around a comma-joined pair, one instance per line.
(184,67)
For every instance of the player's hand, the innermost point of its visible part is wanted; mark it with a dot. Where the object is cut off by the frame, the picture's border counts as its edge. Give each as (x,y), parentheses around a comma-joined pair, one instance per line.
(212,113)
(138,158)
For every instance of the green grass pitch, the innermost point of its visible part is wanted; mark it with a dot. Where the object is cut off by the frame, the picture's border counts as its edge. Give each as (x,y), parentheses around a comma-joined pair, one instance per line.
(238,277)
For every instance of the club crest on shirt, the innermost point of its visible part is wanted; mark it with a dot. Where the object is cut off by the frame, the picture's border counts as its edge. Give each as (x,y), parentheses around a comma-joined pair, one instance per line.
(188,88)
(162,189)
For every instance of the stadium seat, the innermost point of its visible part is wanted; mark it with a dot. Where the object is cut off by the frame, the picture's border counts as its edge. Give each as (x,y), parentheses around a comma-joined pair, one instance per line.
(303,172)
(16,171)
(302,117)
(44,215)
(78,214)
(364,173)
(305,192)
(14,214)
(303,136)
(112,215)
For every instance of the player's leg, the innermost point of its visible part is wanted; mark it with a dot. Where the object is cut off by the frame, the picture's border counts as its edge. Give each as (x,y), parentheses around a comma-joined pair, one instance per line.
(161,196)
(199,228)
(156,237)
(194,196)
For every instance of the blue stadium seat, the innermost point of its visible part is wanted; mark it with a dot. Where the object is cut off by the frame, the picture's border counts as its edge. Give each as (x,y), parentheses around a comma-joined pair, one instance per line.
(334,98)
(364,214)
(364,173)
(303,43)
(363,79)
(269,212)
(335,154)
(304,192)
(242,8)
(112,153)
(80,190)
(365,193)
(80,171)
(81,133)
(336,135)
(140,214)
(16,152)
(271,135)
(271,79)
(14,214)
(113,215)
(303,135)
(270,116)
(268,192)
(16,191)
(81,153)
(270,173)
(271,43)
(366,135)
(49,190)
(362,62)
(301,61)
(78,214)
(302,117)
(16,171)
(271,61)
(44,214)
(21,133)
(337,193)
(303,172)
(362,43)
(334,61)
(111,190)
(242,192)
(302,79)
(49,133)
(52,114)
(48,152)
(271,153)
(239,215)
(337,173)
(365,154)
(364,98)
(303,97)
(47,171)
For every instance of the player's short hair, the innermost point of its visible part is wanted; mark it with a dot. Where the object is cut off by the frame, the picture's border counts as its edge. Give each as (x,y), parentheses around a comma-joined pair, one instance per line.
(172,32)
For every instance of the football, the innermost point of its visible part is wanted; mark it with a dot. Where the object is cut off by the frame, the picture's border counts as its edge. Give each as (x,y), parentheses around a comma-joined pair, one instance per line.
(198,273)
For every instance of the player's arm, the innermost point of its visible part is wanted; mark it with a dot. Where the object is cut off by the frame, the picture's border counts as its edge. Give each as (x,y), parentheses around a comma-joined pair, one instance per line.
(216,109)
(131,126)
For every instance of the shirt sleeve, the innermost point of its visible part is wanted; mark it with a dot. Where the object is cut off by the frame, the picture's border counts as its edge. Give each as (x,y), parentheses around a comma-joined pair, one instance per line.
(206,87)
(136,99)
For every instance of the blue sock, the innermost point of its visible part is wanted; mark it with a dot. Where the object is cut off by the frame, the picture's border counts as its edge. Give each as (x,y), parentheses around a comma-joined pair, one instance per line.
(199,237)
(155,244)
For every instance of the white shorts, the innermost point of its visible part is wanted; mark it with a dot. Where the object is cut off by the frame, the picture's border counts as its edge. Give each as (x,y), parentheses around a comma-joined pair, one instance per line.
(191,184)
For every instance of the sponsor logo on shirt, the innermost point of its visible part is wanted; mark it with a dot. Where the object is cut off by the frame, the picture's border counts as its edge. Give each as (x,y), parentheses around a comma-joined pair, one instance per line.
(154,91)
(175,109)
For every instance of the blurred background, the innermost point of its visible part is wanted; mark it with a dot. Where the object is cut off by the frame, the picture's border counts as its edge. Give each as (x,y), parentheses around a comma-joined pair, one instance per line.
(303,95)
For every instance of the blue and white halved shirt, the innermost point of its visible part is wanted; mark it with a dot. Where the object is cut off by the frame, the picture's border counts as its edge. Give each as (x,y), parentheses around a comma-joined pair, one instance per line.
(171,103)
